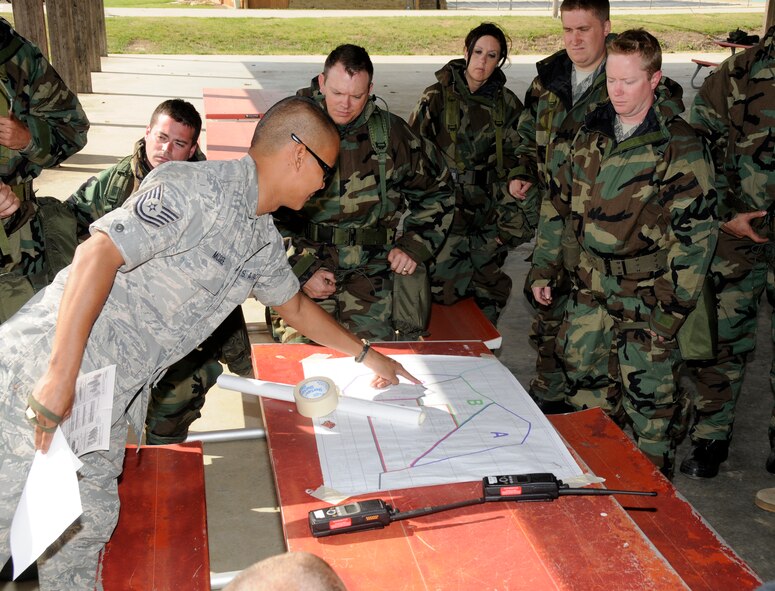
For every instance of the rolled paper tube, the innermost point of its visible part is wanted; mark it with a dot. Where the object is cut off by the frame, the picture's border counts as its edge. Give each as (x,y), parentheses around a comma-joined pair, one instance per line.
(390,412)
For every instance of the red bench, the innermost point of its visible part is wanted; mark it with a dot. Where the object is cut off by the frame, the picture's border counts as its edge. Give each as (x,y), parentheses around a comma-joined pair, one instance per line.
(462,321)
(228,139)
(700,65)
(239,103)
(160,541)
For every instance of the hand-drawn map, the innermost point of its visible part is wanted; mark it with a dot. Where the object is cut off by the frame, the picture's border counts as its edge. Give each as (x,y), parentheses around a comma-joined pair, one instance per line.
(479,421)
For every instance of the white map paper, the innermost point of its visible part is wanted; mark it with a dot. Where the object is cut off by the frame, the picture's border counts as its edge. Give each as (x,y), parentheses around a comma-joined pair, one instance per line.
(480,422)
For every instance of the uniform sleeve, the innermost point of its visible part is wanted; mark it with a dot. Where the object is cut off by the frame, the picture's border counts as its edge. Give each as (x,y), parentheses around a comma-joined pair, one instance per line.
(547,255)
(710,117)
(277,283)
(555,212)
(691,239)
(525,150)
(513,222)
(423,119)
(161,218)
(424,181)
(54,116)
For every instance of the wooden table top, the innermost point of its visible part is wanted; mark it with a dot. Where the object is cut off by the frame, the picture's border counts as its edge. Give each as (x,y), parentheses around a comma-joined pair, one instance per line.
(605,542)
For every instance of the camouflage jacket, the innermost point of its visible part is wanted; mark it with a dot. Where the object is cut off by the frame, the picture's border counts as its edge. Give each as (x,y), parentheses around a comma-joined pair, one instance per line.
(735,111)
(484,205)
(108,190)
(37,97)
(419,202)
(550,121)
(652,192)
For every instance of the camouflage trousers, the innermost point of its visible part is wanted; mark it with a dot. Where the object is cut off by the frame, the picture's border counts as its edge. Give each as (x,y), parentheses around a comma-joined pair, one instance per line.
(362,303)
(616,368)
(742,271)
(71,562)
(177,399)
(549,382)
(471,266)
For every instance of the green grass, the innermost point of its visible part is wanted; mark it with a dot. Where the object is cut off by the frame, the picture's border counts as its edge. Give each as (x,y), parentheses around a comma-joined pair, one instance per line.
(155,4)
(392,36)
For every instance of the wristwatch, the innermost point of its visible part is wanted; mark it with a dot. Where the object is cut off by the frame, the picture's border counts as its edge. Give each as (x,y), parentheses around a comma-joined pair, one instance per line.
(362,355)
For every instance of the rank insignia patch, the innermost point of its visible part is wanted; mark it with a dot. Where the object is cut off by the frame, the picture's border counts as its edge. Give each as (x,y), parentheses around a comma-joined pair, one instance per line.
(150,208)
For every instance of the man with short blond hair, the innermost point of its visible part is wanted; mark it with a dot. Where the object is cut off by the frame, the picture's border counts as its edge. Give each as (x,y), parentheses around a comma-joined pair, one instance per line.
(633,223)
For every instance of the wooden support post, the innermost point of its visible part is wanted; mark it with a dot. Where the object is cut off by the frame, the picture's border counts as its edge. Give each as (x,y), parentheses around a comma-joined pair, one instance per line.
(99,30)
(87,45)
(769,15)
(60,23)
(80,32)
(64,55)
(30,22)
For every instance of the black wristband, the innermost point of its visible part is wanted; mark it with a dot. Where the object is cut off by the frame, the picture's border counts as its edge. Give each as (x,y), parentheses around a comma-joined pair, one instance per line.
(362,355)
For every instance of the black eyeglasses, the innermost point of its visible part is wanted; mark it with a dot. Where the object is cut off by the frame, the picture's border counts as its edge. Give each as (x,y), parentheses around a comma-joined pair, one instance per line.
(328,171)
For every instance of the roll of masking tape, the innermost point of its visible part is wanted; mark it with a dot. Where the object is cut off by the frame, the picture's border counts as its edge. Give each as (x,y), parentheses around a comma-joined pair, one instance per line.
(316,397)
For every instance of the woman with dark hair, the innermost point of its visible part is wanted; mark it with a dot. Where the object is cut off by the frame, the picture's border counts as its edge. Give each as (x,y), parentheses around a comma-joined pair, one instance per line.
(471,115)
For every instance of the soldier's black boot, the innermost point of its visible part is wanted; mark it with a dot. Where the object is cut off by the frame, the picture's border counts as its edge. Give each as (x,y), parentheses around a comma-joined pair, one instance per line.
(705,458)
(553,407)
(667,468)
(770,465)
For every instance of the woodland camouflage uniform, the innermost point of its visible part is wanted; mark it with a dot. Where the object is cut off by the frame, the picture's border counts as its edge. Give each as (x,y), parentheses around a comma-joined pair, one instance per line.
(735,111)
(487,219)
(349,229)
(546,127)
(33,92)
(642,235)
(177,399)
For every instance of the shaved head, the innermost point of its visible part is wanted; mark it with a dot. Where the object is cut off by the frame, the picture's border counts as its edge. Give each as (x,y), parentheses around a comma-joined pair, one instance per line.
(292,571)
(297,115)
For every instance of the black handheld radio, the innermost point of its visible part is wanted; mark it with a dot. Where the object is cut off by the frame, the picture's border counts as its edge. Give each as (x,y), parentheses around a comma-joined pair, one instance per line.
(376,513)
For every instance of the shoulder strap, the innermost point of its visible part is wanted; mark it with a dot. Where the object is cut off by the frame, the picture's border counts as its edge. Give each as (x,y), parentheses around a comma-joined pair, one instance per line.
(379,134)
(120,186)
(499,119)
(452,121)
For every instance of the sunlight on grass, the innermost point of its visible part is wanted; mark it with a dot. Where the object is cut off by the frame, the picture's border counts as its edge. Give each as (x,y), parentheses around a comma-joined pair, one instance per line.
(161,4)
(391,35)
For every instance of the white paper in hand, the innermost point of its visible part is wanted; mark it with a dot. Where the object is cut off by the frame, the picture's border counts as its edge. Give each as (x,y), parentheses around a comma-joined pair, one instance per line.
(49,503)
(88,426)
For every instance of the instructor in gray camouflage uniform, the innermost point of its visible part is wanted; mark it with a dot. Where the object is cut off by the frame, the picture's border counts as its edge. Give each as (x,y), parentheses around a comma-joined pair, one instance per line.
(157,276)
(41,124)
(368,226)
